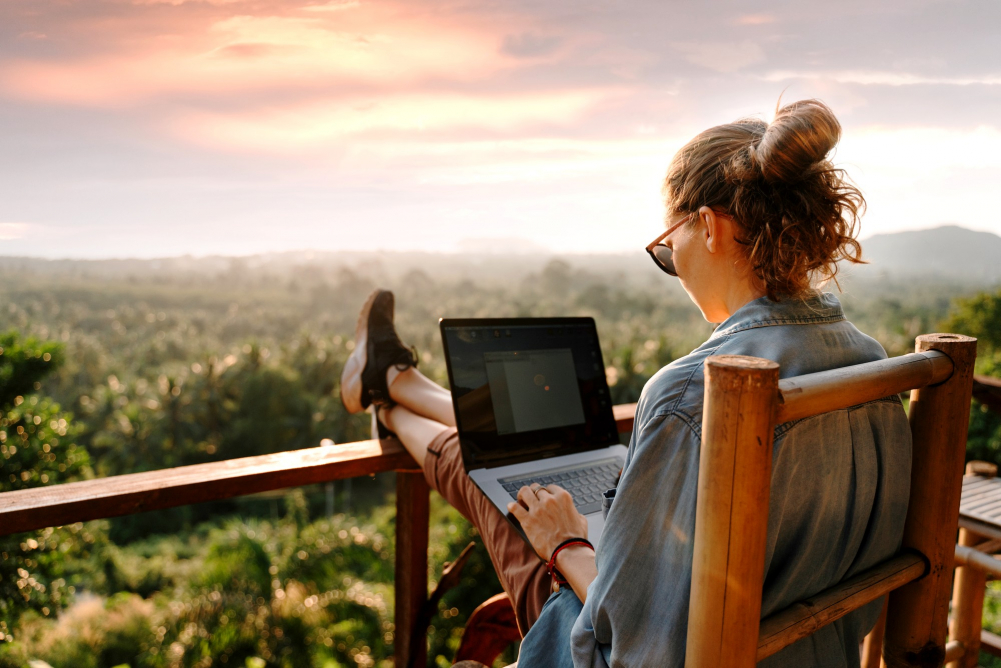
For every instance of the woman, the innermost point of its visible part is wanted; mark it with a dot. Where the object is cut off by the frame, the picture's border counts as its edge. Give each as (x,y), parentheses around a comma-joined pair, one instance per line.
(757,218)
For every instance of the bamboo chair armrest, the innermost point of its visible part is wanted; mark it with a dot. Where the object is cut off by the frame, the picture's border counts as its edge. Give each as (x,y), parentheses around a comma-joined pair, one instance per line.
(809,615)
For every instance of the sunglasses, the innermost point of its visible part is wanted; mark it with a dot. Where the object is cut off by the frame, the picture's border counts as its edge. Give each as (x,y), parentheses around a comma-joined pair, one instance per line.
(662,255)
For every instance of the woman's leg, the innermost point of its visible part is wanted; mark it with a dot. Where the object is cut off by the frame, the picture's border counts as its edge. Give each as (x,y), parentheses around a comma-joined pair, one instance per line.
(414,390)
(436,447)
(424,421)
(422,410)
(415,431)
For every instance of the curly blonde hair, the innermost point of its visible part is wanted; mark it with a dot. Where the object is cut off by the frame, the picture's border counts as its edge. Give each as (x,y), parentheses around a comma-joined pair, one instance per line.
(798,215)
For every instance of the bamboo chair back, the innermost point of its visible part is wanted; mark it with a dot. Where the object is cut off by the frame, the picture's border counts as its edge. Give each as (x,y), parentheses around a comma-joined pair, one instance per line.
(744,401)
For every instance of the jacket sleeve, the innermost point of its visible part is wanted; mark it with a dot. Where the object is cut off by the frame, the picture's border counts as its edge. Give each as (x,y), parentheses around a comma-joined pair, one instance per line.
(636,613)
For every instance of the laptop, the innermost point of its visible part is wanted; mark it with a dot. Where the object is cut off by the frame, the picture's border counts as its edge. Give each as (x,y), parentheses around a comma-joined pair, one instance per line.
(532,405)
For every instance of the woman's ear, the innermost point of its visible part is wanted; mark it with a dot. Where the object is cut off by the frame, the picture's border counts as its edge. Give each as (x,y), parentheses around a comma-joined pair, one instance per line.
(714,228)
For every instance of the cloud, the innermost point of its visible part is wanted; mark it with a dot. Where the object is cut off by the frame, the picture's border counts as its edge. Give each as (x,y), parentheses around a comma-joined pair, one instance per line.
(168,124)
(916,177)
(333,6)
(529,45)
(755,19)
(251,50)
(724,57)
(885,78)
(316,126)
(11,231)
(372,45)
(637,165)
(178,3)
(923,150)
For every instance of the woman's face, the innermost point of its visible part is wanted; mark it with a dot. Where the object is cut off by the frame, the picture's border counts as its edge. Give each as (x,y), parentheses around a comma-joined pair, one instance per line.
(711,265)
(690,261)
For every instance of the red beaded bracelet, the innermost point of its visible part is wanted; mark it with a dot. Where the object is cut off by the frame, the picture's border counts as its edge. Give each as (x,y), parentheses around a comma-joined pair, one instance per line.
(558,577)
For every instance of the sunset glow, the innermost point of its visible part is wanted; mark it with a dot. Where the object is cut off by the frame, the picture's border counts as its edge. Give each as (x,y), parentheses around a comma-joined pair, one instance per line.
(164,127)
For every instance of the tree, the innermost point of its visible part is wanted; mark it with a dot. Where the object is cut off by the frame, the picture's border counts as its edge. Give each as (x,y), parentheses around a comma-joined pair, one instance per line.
(980,316)
(36,448)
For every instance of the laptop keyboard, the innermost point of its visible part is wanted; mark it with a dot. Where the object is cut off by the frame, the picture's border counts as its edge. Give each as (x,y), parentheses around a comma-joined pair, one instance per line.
(586,484)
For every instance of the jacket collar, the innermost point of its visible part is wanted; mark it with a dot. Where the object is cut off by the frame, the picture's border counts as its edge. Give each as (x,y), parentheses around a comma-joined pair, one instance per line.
(819,308)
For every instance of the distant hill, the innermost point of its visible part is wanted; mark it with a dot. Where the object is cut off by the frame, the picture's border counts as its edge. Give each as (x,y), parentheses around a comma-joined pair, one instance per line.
(949,251)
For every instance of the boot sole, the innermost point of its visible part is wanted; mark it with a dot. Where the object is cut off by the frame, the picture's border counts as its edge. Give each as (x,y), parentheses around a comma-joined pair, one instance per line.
(351,385)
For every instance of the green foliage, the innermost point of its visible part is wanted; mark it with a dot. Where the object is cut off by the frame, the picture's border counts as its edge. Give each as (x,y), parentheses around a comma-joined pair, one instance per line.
(984,438)
(894,312)
(246,403)
(979,316)
(94,633)
(38,446)
(176,368)
(278,595)
(992,612)
(450,533)
(38,571)
(23,364)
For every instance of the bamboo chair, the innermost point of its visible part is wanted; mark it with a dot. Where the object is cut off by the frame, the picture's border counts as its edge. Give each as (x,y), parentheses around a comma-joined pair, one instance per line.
(979,539)
(744,400)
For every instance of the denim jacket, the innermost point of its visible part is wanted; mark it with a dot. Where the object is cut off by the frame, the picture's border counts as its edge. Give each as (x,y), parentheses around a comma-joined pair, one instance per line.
(839,492)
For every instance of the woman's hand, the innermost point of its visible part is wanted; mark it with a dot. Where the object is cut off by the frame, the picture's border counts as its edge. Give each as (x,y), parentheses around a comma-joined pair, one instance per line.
(548,517)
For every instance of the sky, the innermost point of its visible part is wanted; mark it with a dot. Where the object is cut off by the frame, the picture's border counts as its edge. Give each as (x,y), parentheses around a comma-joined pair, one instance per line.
(150,128)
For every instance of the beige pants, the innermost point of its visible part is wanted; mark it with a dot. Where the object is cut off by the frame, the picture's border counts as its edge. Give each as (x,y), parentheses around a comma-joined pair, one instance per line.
(520,570)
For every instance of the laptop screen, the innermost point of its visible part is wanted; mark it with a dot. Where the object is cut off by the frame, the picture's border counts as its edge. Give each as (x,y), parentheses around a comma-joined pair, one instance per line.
(527,388)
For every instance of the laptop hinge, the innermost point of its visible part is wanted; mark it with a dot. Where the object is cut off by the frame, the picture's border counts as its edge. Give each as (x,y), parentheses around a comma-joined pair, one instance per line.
(529,456)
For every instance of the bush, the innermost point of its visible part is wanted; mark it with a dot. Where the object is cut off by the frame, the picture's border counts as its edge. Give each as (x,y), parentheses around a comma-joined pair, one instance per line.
(39,571)
(980,316)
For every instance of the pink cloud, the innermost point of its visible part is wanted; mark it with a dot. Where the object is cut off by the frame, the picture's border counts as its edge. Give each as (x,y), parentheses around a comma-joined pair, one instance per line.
(301,79)
(216,56)
(11,231)
(316,126)
(755,19)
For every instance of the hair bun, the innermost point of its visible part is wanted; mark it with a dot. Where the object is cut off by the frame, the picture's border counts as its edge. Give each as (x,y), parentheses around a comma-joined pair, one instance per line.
(802,134)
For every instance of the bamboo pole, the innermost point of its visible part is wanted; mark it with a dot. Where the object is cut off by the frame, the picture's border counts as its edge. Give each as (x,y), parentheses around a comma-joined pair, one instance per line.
(989,546)
(806,617)
(968,601)
(970,582)
(411,578)
(972,557)
(731,516)
(954,651)
(872,646)
(917,616)
(815,393)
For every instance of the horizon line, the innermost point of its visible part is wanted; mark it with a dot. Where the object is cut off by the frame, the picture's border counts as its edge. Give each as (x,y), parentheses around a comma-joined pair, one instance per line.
(536,250)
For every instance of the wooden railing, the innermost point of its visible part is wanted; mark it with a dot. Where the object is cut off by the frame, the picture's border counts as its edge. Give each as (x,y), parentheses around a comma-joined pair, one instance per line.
(57,505)
(987,390)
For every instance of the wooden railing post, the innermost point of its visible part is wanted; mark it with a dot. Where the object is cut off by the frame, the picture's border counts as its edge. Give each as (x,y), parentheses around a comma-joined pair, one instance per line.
(968,596)
(731,517)
(917,616)
(968,606)
(411,580)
